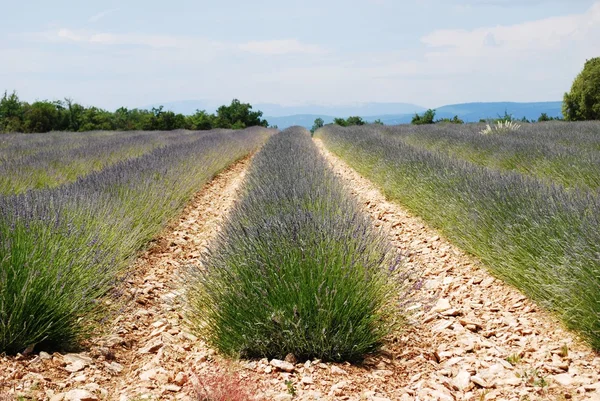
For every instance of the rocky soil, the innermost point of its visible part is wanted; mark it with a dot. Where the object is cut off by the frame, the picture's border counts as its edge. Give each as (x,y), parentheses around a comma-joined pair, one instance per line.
(477,339)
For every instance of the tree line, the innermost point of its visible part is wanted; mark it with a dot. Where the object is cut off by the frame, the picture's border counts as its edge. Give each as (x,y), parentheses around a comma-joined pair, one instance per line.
(66,115)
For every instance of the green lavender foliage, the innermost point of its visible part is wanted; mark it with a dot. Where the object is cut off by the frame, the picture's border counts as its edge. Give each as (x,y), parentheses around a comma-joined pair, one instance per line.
(297,268)
(541,238)
(555,152)
(63,249)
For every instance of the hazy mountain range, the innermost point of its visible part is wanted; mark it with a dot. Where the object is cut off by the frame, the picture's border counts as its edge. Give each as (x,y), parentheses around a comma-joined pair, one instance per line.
(388,113)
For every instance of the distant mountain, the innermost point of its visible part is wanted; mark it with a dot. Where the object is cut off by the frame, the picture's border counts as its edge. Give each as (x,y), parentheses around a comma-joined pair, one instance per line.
(389,113)
(357,109)
(473,112)
(469,112)
(303,120)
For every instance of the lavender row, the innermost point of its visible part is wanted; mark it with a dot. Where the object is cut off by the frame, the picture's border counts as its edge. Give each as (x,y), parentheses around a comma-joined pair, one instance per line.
(298,267)
(556,152)
(62,249)
(48,160)
(541,238)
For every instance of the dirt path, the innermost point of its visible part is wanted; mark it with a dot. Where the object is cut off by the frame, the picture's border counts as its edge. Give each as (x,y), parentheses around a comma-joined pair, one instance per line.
(482,338)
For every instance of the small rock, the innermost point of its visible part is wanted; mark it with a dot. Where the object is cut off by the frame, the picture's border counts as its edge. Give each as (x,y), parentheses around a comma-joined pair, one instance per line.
(180,379)
(282,365)
(152,346)
(45,355)
(338,388)
(564,379)
(307,380)
(335,370)
(80,395)
(283,397)
(479,381)
(451,312)
(462,380)
(172,388)
(76,363)
(114,367)
(58,397)
(442,305)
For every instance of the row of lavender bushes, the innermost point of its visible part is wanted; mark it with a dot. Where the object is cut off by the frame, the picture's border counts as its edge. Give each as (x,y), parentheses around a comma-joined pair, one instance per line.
(48,160)
(63,249)
(561,153)
(298,268)
(543,239)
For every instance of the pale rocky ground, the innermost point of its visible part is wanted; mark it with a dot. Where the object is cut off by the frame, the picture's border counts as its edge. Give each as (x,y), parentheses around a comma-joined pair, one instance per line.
(482,340)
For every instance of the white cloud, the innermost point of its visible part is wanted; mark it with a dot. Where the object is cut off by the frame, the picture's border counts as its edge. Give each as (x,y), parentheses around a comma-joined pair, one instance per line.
(66,35)
(546,34)
(280,47)
(100,15)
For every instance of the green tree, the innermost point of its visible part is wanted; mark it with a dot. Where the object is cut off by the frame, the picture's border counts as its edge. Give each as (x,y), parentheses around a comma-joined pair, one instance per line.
(11,113)
(427,118)
(340,121)
(318,124)
(378,122)
(453,120)
(41,116)
(239,115)
(583,101)
(75,114)
(355,120)
(352,120)
(201,120)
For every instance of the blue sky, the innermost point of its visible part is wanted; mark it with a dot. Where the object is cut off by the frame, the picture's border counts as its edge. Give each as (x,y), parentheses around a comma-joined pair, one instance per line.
(428,52)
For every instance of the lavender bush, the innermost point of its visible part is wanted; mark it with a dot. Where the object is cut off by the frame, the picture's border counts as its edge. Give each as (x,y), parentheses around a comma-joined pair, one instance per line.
(62,249)
(542,238)
(297,268)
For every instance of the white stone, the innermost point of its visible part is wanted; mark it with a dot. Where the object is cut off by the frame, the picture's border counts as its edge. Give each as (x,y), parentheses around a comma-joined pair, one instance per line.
(80,395)
(462,380)
(282,365)
(564,379)
(442,305)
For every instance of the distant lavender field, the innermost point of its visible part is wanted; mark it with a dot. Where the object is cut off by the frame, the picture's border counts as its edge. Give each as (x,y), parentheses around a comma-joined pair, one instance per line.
(101,197)
(36,161)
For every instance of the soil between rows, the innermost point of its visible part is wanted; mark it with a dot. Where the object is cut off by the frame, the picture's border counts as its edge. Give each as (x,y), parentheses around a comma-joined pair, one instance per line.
(457,350)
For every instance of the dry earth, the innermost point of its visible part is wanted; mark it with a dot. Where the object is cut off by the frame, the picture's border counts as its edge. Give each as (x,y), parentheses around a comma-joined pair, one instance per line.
(482,339)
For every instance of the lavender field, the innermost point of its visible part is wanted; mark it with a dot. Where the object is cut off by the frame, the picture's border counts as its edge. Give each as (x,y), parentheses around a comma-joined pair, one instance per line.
(76,208)
(525,203)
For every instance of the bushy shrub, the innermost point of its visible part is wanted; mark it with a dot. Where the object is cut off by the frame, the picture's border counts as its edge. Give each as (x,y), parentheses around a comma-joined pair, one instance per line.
(297,267)
(428,117)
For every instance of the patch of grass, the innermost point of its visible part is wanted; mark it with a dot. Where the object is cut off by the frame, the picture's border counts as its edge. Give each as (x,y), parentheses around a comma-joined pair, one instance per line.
(297,267)
(514,359)
(564,351)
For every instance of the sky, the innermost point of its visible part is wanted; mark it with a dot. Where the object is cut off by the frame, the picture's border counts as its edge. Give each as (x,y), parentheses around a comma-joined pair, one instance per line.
(114,53)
